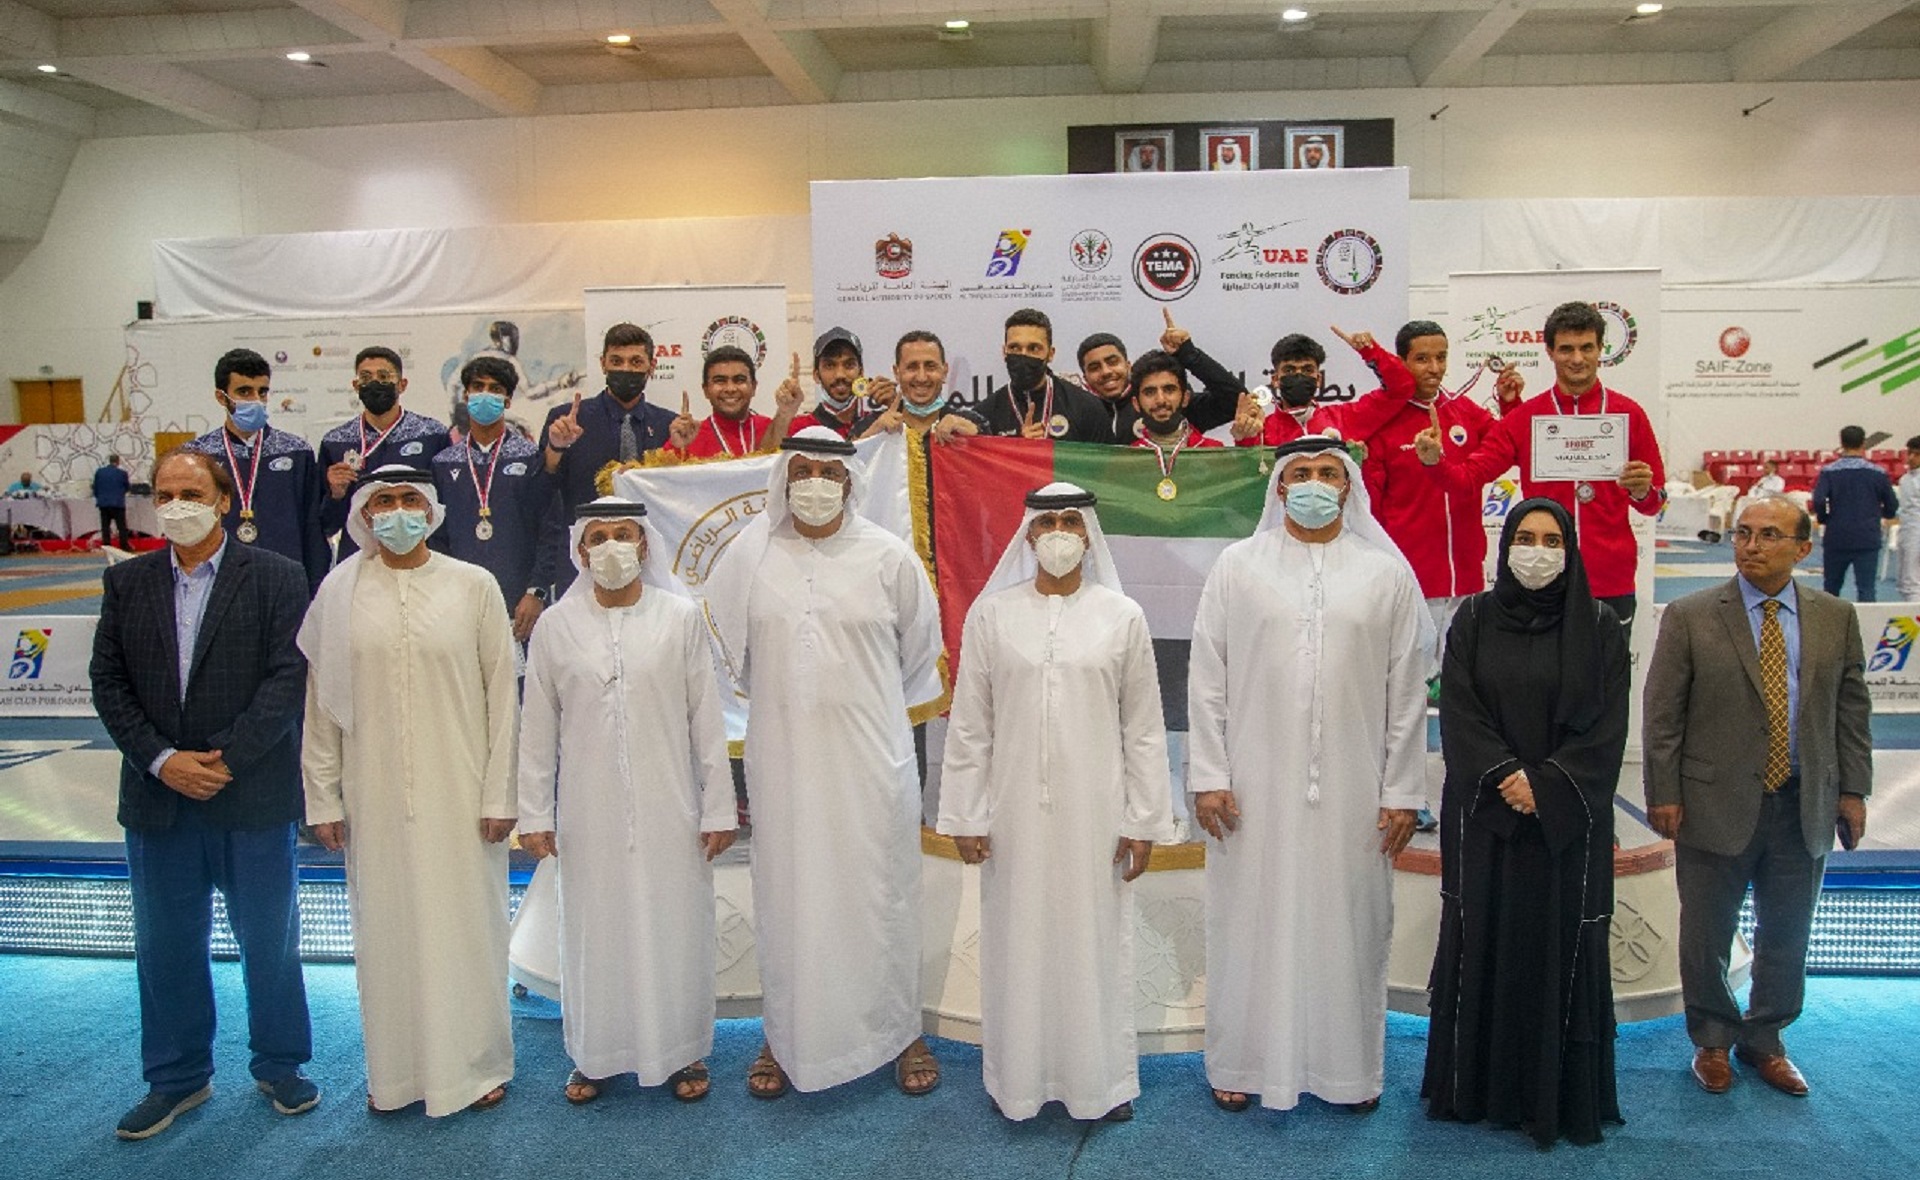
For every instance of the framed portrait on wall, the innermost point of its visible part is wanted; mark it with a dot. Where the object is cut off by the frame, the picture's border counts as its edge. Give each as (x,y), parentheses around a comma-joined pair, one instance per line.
(1229,149)
(1316,148)
(1143,151)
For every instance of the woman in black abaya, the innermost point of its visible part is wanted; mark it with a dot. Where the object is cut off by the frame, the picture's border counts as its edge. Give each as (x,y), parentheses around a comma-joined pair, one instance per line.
(1533,723)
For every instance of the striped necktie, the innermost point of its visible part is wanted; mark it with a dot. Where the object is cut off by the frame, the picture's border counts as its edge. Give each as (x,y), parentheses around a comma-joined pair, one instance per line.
(1773,689)
(629,442)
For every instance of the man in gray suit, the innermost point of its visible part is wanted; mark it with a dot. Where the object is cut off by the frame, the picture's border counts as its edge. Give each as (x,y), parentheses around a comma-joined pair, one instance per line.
(1757,748)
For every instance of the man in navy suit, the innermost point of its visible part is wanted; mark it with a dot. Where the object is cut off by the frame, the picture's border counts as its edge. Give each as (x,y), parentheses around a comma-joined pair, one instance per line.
(198,681)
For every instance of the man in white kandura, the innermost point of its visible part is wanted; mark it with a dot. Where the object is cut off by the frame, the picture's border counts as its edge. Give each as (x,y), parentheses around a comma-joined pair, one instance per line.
(408,762)
(1307,703)
(1057,746)
(621,722)
(828,622)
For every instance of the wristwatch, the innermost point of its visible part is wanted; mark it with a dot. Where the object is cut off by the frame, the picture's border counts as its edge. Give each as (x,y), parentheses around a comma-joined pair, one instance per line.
(539,592)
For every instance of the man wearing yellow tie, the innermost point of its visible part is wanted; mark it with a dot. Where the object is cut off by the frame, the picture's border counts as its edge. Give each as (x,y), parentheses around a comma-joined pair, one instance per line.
(1757,753)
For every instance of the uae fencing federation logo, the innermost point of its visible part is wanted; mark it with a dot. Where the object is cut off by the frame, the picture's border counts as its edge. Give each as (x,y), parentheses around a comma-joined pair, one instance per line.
(1166,267)
(1090,250)
(1896,643)
(738,331)
(1007,252)
(1623,331)
(893,257)
(29,654)
(1349,261)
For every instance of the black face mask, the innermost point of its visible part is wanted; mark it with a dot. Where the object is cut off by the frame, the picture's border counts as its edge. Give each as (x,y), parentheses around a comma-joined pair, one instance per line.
(1025,372)
(1297,390)
(626,384)
(379,396)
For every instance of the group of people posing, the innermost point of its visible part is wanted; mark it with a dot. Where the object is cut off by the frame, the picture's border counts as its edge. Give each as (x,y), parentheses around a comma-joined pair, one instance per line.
(391,712)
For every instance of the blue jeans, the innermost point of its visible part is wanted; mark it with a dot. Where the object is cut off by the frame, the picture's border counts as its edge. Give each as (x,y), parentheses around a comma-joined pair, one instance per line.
(1865,564)
(173,873)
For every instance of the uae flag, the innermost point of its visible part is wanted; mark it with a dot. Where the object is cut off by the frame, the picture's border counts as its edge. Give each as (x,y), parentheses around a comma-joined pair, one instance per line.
(1163,547)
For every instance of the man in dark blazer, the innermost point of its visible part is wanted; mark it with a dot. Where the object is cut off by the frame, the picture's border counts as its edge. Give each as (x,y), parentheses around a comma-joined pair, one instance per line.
(198,681)
(1751,795)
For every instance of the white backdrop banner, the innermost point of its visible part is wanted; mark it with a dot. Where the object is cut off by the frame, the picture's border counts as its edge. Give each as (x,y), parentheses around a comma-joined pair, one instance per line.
(169,374)
(47,672)
(1238,259)
(688,322)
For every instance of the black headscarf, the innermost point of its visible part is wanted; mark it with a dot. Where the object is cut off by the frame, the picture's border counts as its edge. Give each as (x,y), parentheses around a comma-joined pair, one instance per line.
(1564,604)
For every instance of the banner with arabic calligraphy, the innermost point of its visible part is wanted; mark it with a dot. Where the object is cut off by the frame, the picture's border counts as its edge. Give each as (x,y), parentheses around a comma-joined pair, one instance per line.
(1237,259)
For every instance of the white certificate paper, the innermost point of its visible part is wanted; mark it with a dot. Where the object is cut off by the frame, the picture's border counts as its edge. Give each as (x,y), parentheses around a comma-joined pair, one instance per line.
(1583,446)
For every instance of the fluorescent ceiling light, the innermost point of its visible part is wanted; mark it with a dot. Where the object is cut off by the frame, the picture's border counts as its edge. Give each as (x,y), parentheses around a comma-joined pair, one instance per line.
(959,25)
(47,68)
(620,39)
(1294,15)
(1648,9)
(300,55)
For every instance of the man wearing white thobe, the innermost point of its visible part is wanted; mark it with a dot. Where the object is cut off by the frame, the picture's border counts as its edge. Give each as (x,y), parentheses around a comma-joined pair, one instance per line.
(624,779)
(1307,703)
(408,764)
(829,624)
(1057,746)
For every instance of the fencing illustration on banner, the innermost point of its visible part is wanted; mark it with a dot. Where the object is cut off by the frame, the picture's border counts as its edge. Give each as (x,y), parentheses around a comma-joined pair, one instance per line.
(1239,259)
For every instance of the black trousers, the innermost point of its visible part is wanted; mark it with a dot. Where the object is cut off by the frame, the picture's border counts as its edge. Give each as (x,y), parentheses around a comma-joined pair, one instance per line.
(110,517)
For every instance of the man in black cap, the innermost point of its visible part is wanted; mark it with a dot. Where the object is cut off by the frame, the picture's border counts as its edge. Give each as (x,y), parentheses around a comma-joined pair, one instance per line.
(840,371)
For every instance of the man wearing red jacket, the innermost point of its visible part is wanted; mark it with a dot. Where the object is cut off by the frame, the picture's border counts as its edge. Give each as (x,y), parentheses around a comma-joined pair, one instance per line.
(1437,528)
(729,379)
(1297,379)
(1160,397)
(1574,333)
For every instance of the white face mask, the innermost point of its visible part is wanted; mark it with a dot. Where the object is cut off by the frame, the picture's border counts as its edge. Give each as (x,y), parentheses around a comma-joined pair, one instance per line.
(816,502)
(187,522)
(614,564)
(1059,553)
(1536,565)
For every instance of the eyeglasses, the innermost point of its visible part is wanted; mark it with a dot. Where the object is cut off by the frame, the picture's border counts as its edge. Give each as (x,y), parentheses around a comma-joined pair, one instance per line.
(1767,536)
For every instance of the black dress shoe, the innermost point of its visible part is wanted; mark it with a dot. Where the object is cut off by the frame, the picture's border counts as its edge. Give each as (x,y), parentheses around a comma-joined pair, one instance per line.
(1122,1113)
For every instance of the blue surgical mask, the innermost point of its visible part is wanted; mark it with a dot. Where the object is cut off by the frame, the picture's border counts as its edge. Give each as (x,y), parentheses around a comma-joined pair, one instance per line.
(1312,505)
(401,530)
(930,409)
(485,408)
(249,416)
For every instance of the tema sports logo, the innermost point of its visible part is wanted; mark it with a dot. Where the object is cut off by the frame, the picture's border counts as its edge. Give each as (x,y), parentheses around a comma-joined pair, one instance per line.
(29,654)
(1166,266)
(1007,253)
(1896,644)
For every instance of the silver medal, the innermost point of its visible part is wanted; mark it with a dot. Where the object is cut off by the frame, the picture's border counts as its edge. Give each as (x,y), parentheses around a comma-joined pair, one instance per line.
(247,532)
(484,530)
(1583,492)
(352,459)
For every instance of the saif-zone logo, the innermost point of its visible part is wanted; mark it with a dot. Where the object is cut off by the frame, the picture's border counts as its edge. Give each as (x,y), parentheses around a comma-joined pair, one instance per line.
(1166,267)
(893,257)
(29,653)
(1349,261)
(1007,252)
(1623,332)
(1090,250)
(1893,365)
(738,331)
(1896,644)
(711,532)
(1734,342)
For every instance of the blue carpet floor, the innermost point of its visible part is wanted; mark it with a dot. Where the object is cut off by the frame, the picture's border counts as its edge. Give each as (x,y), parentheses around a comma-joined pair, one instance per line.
(71,1068)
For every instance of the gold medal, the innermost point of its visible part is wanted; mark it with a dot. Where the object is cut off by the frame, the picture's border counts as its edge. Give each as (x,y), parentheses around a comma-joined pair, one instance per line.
(1166,489)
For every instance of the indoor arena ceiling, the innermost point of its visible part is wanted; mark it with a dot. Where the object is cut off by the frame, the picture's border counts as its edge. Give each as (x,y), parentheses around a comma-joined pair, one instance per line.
(133,67)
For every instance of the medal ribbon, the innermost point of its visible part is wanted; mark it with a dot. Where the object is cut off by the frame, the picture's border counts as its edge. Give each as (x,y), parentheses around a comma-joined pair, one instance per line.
(1046,409)
(484,491)
(253,474)
(1166,458)
(366,452)
(740,436)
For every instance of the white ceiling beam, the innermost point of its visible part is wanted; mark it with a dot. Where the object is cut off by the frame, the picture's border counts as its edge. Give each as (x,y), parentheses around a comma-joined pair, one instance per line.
(1801,35)
(1125,43)
(28,104)
(1452,43)
(480,74)
(377,21)
(797,58)
(174,89)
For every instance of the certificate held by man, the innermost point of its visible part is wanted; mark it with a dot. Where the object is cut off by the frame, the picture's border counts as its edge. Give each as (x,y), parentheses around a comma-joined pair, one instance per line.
(1579,447)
